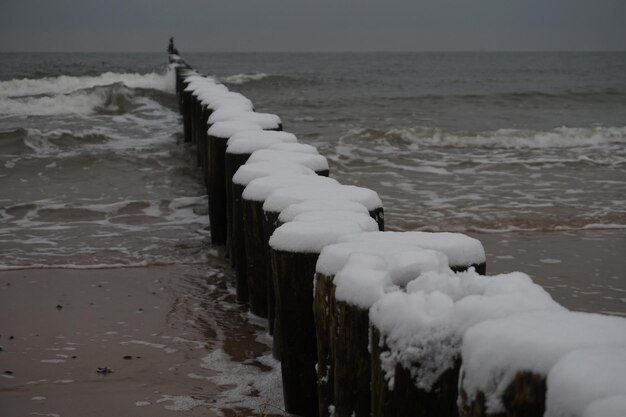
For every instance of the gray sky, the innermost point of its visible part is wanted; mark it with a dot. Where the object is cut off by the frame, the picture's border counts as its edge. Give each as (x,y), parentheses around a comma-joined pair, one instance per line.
(312,25)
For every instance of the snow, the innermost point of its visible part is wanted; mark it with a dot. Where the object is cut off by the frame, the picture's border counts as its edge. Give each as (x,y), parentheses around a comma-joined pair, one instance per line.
(494,351)
(265,120)
(249,141)
(334,257)
(426,323)
(295,147)
(460,249)
(250,171)
(315,162)
(363,280)
(229,128)
(281,199)
(583,377)
(289,213)
(259,189)
(311,236)
(608,407)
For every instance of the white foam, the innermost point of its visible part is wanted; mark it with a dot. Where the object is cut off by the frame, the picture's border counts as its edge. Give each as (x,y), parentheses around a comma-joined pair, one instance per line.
(238,79)
(66,84)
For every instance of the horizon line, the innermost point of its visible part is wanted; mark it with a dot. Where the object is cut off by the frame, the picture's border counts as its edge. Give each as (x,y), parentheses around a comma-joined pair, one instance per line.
(323,51)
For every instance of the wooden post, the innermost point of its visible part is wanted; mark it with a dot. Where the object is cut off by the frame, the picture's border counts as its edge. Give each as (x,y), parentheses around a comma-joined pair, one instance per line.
(256,256)
(406,398)
(216,176)
(187,116)
(324,314)
(294,298)
(232,162)
(525,396)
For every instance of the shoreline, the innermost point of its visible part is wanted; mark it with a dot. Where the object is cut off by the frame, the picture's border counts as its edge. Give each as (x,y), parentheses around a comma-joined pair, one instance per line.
(157,328)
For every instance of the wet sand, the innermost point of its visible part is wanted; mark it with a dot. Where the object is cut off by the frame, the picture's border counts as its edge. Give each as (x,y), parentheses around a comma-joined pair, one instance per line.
(173,337)
(178,343)
(584,270)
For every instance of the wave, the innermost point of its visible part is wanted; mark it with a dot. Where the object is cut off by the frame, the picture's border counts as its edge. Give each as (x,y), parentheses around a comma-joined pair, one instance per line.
(561,137)
(66,84)
(111,99)
(238,79)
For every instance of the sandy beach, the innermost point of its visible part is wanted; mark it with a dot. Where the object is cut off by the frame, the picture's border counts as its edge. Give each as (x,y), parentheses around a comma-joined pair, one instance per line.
(160,330)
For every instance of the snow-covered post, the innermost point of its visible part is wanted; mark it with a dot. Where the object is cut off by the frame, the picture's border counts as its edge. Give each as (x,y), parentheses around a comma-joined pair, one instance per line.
(244,175)
(295,247)
(282,199)
(342,321)
(239,148)
(510,363)
(255,228)
(218,136)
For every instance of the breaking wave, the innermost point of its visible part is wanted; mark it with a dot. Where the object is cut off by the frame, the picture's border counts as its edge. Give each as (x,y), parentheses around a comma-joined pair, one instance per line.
(65,84)
(561,137)
(238,79)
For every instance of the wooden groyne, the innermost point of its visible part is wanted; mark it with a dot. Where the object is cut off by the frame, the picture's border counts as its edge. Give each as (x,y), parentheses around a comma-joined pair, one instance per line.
(374,323)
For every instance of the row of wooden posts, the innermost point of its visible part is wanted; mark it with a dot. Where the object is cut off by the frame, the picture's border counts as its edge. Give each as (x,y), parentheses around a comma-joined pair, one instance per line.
(312,331)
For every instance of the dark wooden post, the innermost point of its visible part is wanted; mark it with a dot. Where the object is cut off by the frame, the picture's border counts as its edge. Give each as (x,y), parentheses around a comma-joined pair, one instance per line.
(294,299)
(218,136)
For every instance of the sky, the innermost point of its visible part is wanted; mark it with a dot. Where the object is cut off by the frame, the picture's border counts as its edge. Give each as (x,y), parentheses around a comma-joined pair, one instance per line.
(312,25)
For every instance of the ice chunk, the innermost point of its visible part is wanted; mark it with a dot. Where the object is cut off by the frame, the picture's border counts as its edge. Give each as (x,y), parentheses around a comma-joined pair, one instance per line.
(250,171)
(260,188)
(495,350)
(249,141)
(583,377)
(313,161)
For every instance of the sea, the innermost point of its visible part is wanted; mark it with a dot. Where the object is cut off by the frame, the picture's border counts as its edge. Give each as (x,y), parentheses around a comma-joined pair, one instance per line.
(524,151)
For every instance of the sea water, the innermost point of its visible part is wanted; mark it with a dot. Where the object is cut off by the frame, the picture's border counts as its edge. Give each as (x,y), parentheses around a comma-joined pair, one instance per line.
(525,151)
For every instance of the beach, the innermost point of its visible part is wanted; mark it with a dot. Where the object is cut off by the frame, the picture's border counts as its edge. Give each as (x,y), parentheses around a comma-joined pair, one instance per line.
(112,298)
(172,338)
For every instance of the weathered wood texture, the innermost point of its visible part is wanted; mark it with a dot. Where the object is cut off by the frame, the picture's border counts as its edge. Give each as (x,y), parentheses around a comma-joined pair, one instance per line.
(525,396)
(324,314)
(352,371)
(294,274)
(237,244)
(232,162)
(216,188)
(255,255)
